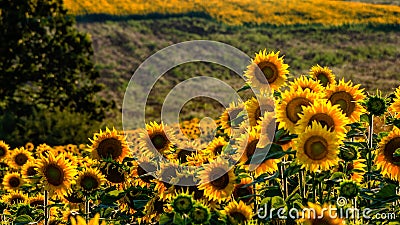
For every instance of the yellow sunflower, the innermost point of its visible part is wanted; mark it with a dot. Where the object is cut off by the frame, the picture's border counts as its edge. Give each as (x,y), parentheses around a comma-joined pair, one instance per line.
(257,107)
(184,151)
(19,157)
(348,97)
(266,166)
(324,113)
(29,146)
(90,179)
(287,112)
(109,144)
(394,108)
(15,197)
(386,160)
(56,174)
(81,221)
(317,148)
(4,150)
(267,126)
(167,177)
(12,181)
(243,190)
(215,147)
(247,144)
(304,83)
(238,213)
(323,74)
(316,214)
(355,169)
(29,170)
(36,201)
(230,119)
(217,180)
(143,172)
(42,150)
(157,139)
(267,71)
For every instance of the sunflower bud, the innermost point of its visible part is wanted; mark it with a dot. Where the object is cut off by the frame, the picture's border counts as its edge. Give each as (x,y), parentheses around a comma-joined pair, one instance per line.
(349,189)
(183,203)
(200,214)
(376,105)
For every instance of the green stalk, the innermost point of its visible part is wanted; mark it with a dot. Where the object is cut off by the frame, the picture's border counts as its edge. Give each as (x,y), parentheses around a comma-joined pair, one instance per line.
(46,208)
(370,143)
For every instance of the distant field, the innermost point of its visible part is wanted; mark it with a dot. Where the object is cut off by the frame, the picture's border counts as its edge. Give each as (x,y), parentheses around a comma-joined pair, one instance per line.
(238,12)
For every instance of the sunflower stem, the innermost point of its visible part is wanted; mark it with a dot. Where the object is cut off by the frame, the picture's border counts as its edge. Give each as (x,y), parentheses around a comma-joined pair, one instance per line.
(255,192)
(87,209)
(370,142)
(313,187)
(46,208)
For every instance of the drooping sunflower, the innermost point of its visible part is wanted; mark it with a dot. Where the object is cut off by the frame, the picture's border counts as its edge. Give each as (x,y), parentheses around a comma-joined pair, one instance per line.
(109,144)
(319,215)
(386,160)
(287,112)
(157,139)
(348,97)
(15,197)
(217,180)
(326,114)
(231,118)
(29,170)
(304,83)
(215,147)
(56,174)
(19,157)
(90,179)
(394,108)
(243,190)
(323,74)
(4,150)
(267,126)
(267,71)
(317,148)
(143,172)
(247,144)
(238,213)
(257,107)
(12,181)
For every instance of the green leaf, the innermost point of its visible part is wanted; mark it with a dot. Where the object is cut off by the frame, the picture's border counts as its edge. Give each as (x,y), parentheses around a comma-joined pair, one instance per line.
(365,118)
(396,122)
(245,87)
(23,219)
(178,220)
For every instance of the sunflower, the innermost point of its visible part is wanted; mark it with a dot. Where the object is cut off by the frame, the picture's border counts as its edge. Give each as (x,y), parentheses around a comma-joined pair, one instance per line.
(215,147)
(109,144)
(267,126)
(167,177)
(217,180)
(71,157)
(231,118)
(158,139)
(257,107)
(36,201)
(325,114)
(267,71)
(323,74)
(81,221)
(42,150)
(287,112)
(243,190)
(317,148)
(90,179)
(56,173)
(304,83)
(348,97)
(355,169)
(266,166)
(29,146)
(238,213)
(15,197)
(29,170)
(200,214)
(19,157)
(386,160)
(143,172)
(394,108)
(315,214)
(12,181)
(114,173)
(184,151)
(4,150)
(247,144)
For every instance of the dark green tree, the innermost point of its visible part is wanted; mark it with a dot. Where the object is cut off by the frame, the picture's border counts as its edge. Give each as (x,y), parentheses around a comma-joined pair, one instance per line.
(45,63)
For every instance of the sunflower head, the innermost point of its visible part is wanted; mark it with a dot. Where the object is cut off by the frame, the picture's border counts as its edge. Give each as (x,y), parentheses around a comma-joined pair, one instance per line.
(15,197)
(243,190)
(90,179)
(386,159)
(19,157)
(348,153)
(349,189)
(12,181)
(200,214)
(81,221)
(4,150)
(323,74)
(304,83)
(157,139)
(267,71)
(376,105)
(183,203)
(232,117)
(143,172)
(319,215)
(113,172)
(238,213)
(109,144)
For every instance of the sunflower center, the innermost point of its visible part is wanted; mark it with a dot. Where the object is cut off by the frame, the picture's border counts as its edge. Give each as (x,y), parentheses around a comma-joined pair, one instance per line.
(31,171)
(323,78)
(218,149)
(316,148)
(269,73)
(390,149)
(218,181)
(238,217)
(143,169)
(200,215)
(324,120)
(36,203)
(241,191)
(21,159)
(89,183)
(233,116)
(159,141)
(293,108)
(113,173)
(344,100)
(14,182)
(251,148)
(110,147)
(16,199)
(2,151)
(182,155)
(54,175)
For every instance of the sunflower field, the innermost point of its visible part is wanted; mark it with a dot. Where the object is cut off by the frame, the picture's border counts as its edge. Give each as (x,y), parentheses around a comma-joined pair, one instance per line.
(309,143)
